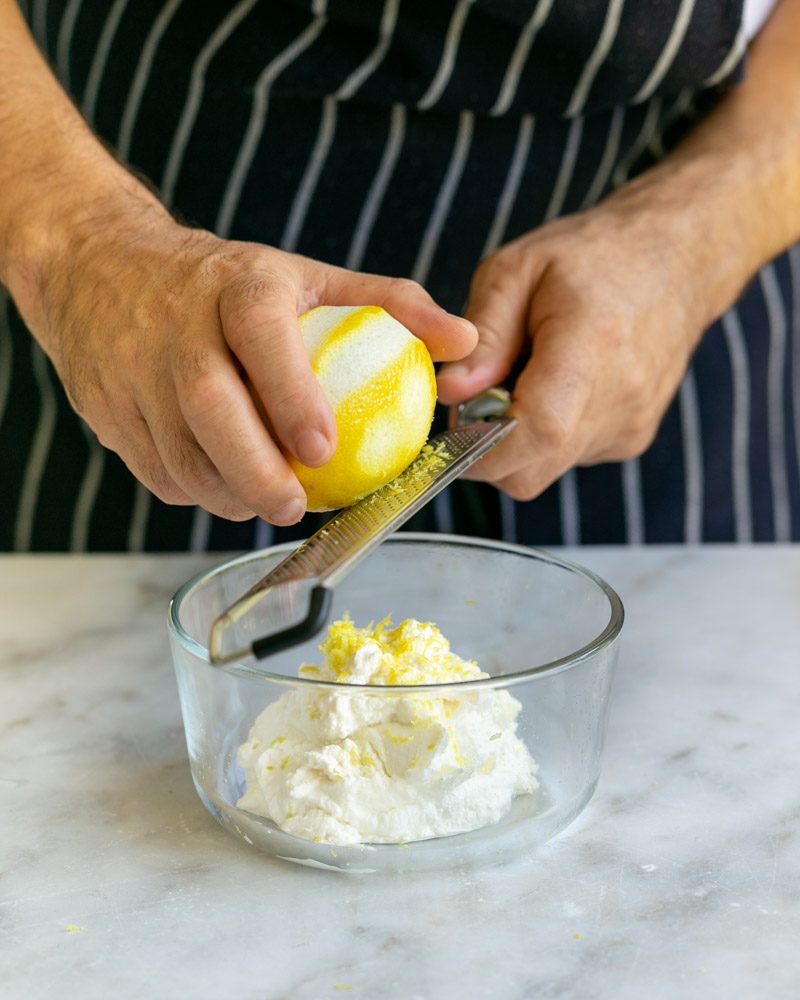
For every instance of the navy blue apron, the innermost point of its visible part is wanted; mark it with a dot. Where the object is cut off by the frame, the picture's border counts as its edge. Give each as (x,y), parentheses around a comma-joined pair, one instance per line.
(412,138)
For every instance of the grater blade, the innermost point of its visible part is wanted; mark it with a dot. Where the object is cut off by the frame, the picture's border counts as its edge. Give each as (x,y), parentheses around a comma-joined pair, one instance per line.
(300,586)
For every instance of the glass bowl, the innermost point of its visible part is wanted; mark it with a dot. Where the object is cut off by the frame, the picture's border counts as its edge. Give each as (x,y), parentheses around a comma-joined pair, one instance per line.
(542,628)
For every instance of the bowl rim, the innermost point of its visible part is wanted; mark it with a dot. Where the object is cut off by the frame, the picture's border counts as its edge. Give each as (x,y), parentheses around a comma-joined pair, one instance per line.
(605,638)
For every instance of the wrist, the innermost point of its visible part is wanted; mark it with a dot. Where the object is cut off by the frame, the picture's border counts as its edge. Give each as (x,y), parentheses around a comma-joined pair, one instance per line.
(697,211)
(52,225)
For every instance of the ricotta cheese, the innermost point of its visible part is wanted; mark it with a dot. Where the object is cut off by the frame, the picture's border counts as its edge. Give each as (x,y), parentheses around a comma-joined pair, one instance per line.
(385,767)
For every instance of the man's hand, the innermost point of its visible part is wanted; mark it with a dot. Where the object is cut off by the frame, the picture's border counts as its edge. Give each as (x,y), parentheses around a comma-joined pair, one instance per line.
(183,353)
(612,302)
(607,303)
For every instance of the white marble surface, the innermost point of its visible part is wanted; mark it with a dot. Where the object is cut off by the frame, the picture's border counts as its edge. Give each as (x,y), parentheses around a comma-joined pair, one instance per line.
(681,879)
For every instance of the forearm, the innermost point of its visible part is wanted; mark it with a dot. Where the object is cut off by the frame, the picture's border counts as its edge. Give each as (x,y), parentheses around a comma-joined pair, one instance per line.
(734,184)
(54,174)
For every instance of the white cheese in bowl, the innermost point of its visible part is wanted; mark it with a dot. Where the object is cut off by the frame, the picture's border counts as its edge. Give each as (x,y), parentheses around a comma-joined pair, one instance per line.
(386,767)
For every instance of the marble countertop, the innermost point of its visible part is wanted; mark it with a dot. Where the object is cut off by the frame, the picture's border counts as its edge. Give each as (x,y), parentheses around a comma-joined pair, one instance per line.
(681,878)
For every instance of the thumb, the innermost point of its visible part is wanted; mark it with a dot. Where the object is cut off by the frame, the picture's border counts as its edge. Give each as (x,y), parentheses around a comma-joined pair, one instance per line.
(446,336)
(498,306)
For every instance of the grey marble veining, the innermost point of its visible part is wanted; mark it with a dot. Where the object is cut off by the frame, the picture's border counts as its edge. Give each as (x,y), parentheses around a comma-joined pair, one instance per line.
(680,880)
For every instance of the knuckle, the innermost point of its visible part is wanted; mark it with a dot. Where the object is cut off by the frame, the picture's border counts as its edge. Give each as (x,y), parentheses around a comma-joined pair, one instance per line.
(633,444)
(488,269)
(242,326)
(208,261)
(635,385)
(255,489)
(407,287)
(641,426)
(106,436)
(203,481)
(90,403)
(555,430)
(247,325)
(489,336)
(294,402)
(264,494)
(245,306)
(484,267)
(156,478)
(520,487)
(639,441)
(231,510)
(197,471)
(202,393)
(611,338)
(252,286)
(83,386)
(558,417)
(261,282)
(173,495)
(189,463)
(494,271)
(487,278)
(191,360)
(148,314)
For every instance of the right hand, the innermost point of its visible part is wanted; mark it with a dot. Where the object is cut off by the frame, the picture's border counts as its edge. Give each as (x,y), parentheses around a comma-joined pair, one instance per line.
(183,353)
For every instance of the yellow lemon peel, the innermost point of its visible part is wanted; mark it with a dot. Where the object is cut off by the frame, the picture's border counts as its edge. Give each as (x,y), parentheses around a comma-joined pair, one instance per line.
(381,384)
(412,652)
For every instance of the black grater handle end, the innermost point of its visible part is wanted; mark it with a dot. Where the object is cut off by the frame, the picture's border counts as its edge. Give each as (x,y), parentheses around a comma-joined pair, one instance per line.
(319,609)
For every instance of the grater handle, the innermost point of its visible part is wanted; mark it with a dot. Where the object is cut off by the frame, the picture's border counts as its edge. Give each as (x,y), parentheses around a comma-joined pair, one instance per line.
(319,609)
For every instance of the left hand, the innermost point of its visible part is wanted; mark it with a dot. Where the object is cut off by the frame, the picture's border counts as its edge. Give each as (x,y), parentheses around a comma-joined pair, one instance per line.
(613,302)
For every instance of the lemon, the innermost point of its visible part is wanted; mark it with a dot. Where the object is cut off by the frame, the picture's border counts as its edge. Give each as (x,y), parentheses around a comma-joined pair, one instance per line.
(380,382)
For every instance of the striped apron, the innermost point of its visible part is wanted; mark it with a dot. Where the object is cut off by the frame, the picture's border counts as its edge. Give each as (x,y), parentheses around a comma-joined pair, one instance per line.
(413,137)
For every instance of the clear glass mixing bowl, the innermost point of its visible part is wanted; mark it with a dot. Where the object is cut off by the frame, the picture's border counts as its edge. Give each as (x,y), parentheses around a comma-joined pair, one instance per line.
(543,628)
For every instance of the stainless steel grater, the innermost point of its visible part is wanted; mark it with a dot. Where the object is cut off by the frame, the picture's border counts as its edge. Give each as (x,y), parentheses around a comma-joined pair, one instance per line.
(294,598)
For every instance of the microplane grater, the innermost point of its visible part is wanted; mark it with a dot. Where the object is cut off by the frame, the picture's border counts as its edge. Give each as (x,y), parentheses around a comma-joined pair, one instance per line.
(297,593)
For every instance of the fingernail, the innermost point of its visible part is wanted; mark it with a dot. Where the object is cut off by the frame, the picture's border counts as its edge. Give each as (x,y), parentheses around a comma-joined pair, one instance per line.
(312,448)
(290,513)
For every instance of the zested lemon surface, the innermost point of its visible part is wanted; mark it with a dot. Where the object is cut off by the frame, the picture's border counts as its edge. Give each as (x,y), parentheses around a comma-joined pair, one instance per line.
(380,382)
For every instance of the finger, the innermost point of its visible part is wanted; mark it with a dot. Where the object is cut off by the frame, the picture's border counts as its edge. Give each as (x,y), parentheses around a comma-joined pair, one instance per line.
(258,312)
(136,448)
(189,466)
(221,414)
(550,401)
(182,457)
(446,336)
(531,482)
(498,306)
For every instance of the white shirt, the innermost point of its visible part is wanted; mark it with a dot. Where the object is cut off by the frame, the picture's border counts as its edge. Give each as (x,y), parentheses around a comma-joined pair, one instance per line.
(755,14)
